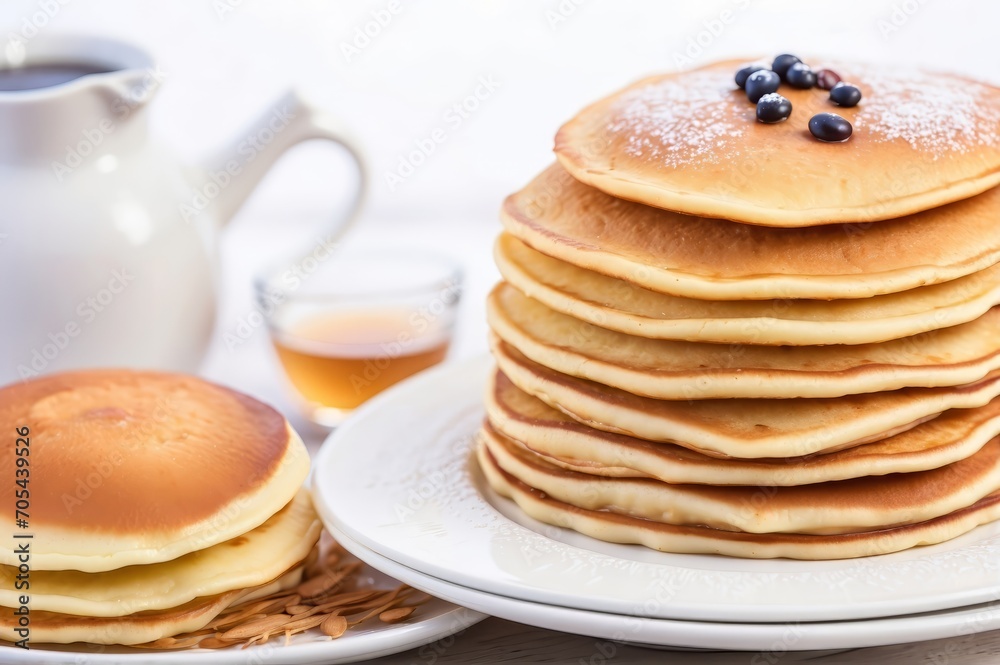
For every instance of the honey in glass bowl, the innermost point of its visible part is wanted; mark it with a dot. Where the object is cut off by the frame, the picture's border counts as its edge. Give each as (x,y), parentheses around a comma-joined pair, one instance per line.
(358,324)
(341,359)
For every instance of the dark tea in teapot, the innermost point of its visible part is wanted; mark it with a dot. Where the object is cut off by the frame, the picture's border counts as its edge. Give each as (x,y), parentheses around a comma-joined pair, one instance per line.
(32,77)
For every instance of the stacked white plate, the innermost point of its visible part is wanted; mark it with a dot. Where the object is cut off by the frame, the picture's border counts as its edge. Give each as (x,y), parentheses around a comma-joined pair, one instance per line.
(398,486)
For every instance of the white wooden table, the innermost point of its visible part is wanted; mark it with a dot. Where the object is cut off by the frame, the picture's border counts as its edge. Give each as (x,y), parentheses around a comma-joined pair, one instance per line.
(252,369)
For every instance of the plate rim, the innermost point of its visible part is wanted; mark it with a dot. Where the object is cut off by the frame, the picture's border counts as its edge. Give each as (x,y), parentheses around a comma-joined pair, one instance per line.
(732,636)
(447,619)
(396,637)
(468,376)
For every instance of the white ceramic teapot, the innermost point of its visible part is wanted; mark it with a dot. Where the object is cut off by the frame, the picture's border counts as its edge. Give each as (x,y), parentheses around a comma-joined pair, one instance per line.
(107,244)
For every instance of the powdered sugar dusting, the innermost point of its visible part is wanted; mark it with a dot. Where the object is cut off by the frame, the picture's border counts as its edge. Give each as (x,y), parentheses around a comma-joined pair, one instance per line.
(933,113)
(698,117)
(678,121)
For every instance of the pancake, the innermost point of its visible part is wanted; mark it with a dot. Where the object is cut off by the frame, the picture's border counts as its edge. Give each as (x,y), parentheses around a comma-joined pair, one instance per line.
(611,527)
(714,259)
(619,305)
(132,467)
(249,560)
(142,627)
(561,440)
(667,369)
(845,506)
(743,428)
(690,142)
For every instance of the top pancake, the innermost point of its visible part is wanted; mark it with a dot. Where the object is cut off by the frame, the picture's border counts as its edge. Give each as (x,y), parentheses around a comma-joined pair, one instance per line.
(711,259)
(690,142)
(140,467)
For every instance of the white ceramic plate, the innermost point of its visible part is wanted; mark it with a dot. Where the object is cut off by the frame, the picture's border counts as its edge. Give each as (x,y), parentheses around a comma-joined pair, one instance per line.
(399,479)
(436,619)
(660,633)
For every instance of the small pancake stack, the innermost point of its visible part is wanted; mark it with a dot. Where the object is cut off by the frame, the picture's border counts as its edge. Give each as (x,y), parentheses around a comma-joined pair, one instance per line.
(150,503)
(716,335)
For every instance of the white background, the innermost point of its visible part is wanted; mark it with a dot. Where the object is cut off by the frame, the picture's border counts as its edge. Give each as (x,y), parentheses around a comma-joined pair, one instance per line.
(225,61)
(224,65)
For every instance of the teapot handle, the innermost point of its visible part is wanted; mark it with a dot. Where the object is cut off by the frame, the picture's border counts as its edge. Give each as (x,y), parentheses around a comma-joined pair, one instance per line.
(232,175)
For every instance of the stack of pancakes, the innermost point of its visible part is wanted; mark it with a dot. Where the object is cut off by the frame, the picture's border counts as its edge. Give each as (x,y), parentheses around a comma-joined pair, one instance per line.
(156,502)
(716,335)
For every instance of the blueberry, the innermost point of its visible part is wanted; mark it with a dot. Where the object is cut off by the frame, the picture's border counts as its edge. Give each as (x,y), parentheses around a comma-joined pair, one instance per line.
(760,83)
(772,107)
(830,127)
(782,63)
(741,76)
(827,78)
(845,94)
(800,76)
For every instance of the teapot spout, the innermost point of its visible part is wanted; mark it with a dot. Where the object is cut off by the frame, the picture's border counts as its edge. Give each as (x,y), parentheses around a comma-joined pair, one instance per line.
(128,90)
(223,186)
(83,116)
